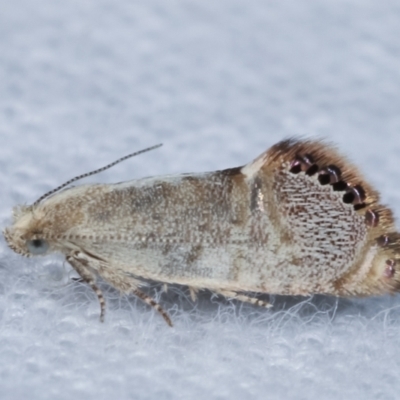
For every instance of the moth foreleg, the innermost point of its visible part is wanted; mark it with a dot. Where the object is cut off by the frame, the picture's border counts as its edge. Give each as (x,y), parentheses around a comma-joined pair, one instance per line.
(241,297)
(148,300)
(89,278)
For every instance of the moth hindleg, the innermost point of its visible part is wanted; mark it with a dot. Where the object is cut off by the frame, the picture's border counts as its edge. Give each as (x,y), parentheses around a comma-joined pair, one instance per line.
(241,297)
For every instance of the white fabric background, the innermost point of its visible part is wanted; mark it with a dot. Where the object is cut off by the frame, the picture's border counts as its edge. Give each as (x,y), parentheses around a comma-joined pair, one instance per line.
(85,82)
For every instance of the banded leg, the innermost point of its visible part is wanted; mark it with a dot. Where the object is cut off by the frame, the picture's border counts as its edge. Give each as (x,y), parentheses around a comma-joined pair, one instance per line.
(89,278)
(129,285)
(148,300)
(247,299)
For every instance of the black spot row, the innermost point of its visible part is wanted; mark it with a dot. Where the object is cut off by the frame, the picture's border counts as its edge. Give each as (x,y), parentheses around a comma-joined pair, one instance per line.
(305,164)
(331,175)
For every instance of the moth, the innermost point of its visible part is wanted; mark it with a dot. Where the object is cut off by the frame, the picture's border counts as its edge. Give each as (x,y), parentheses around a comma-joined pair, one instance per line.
(298,220)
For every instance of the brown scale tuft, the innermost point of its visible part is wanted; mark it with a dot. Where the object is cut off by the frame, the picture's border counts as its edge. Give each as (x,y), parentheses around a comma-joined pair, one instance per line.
(336,170)
(325,156)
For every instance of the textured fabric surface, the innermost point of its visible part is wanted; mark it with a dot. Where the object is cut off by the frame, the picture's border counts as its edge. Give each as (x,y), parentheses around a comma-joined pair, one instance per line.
(85,82)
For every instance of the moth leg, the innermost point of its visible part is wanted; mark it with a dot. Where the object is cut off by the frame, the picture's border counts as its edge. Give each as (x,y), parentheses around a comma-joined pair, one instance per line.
(89,278)
(192,290)
(148,300)
(193,293)
(247,299)
(129,285)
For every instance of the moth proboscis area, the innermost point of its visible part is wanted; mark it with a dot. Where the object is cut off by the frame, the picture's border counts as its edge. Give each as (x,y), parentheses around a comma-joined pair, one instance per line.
(298,220)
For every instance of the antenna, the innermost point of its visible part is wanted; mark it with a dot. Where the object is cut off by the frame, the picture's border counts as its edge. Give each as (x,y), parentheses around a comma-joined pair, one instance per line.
(96,171)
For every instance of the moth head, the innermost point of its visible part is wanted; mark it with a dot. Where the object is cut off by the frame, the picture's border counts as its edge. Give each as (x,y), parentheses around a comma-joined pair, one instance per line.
(35,225)
(26,235)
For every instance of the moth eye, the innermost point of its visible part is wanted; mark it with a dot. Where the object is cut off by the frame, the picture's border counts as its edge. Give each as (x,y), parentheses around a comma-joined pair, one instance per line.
(37,246)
